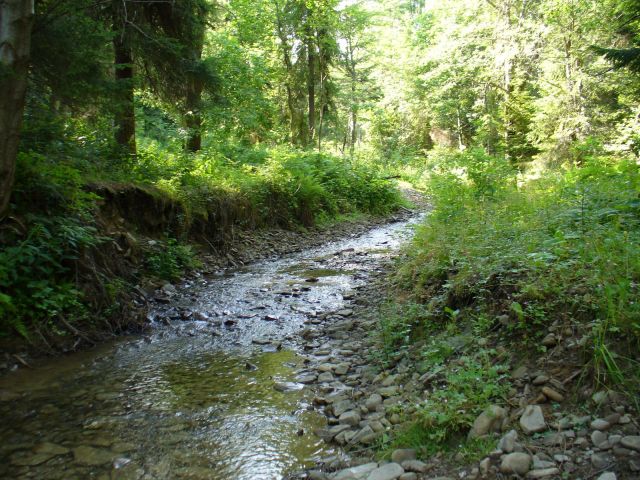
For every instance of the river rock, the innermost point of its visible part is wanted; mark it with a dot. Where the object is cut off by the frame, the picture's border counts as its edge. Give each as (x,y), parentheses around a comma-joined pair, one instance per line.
(388,391)
(402,454)
(31,460)
(408,476)
(508,443)
(350,418)
(516,462)
(600,424)
(342,406)
(544,473)
(631,442)
(85,455)
(325,377)
(373,402)
(532,420)
(608,476)
(601,460)
(415,466)
(540,379)
(599,438)
(342,368)
(551,394)
(356,473)
(389,471)
(50,448)
(365,435)
(488,421)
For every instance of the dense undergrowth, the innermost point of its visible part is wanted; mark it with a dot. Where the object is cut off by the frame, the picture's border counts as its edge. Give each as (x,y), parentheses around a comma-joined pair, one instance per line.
(516,255)
(63,272)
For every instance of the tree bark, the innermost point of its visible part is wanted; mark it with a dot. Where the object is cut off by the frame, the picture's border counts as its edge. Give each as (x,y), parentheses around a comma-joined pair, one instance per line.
(124,115)
(193,116)
(16,20)
(311,85)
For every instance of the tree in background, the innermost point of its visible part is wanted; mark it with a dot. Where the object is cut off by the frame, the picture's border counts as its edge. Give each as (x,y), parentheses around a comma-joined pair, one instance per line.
(16,20)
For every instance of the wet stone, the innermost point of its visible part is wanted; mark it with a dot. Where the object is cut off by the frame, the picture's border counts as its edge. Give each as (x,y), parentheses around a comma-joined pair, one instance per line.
(85,455)
(31,460)
(50,448)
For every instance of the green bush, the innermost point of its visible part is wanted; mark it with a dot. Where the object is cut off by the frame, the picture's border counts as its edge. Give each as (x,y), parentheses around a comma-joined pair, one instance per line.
(169,261)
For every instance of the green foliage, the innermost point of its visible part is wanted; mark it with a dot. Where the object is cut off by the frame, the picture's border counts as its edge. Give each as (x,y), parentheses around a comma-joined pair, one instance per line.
(560,248)
(170,260)
(38,257)
(280,186)
(441,421)
(35,275)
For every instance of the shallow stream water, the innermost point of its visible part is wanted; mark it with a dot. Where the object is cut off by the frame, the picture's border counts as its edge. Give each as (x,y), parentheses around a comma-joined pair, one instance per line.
(210,393)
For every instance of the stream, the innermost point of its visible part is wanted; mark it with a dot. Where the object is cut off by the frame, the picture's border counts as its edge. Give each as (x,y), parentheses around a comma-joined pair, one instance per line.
(213,391)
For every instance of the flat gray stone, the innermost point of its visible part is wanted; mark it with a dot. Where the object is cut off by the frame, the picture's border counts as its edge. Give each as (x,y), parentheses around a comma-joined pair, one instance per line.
(631,441)
(544,473)
(389,471)
(532,420)
(85,455)
(600,424)
(516,462)
(355,473)
(350,418)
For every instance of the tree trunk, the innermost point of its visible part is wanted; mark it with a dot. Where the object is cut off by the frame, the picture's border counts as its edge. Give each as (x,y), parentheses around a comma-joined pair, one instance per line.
(16,20)
(295,121)
(193,116)
(193,100)
(311,86)
(124,115)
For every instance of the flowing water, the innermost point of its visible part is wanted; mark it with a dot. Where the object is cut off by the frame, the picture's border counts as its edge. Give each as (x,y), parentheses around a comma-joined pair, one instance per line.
(210,393)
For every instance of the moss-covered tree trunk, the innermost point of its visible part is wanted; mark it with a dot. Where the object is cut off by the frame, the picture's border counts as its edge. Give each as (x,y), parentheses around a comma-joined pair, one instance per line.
(16,20)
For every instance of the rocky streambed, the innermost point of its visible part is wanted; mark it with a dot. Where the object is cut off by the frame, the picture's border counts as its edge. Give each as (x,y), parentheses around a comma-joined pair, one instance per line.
(221,388)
